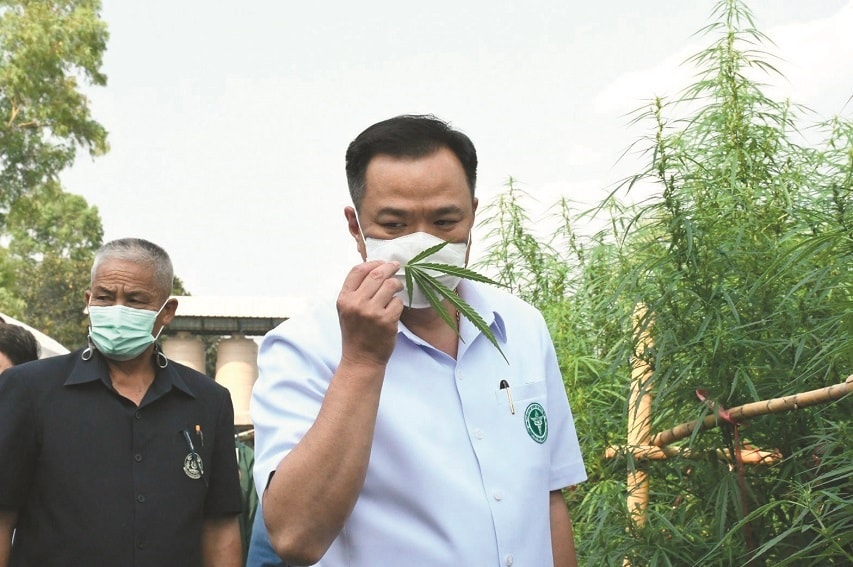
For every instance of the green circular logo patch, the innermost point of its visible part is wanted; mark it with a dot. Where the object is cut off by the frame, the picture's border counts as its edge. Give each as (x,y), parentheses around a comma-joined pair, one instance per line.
(536,422)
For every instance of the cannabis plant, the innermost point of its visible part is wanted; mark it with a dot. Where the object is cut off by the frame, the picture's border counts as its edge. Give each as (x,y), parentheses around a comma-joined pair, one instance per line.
(743,259)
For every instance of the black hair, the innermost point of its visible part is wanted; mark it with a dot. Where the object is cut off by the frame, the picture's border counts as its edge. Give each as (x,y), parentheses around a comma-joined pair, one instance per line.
(407,136)
(18,344)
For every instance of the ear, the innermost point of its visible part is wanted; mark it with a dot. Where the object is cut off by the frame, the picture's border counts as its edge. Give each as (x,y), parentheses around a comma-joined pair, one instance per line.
(355,231)
(168,312)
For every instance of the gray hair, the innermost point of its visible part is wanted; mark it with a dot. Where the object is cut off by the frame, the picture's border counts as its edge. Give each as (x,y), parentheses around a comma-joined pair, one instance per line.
(139,251)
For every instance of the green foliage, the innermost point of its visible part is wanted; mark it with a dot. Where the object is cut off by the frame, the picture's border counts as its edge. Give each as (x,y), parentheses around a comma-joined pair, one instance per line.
(53,237)
(47,237)
(46,48)
(743,256)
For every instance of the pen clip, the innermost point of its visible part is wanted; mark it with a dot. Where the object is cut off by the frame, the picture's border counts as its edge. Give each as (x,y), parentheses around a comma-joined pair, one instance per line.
(504,385)
(189,440)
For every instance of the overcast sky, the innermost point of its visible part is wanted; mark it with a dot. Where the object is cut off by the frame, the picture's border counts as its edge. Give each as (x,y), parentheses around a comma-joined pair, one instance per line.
(229,121)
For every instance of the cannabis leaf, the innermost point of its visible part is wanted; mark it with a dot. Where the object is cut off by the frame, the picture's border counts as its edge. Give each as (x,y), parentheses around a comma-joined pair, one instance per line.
(421,273)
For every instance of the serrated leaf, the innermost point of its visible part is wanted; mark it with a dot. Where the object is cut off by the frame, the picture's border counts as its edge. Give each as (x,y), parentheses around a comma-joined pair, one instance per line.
(428,252)
(458,271)
(430,286)
(409,286)
(434,300)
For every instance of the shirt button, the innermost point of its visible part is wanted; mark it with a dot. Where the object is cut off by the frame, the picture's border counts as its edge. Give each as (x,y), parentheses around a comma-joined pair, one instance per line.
(138,458)
(138,416)
(140,545)
(498,495)
(459,376)
(509,560)
(478,433)
(140,498)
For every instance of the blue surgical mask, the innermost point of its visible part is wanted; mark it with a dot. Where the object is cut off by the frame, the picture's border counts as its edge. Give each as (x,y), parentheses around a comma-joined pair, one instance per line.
(120,332)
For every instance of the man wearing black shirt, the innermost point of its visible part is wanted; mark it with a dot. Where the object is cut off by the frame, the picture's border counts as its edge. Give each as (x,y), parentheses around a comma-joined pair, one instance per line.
(115,455)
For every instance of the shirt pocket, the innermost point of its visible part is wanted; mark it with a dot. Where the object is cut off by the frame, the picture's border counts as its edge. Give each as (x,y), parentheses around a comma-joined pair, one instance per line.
(521,394)
(522,431)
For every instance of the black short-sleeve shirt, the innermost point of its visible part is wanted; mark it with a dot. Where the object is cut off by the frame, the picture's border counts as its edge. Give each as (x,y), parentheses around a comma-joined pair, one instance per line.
(97,480)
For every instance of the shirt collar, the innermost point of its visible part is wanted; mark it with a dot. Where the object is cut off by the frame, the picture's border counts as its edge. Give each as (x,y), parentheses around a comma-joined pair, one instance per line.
(477,296)
(96,368)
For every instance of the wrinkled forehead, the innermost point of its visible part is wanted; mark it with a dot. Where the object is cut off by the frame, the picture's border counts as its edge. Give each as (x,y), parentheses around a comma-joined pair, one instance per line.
(111,274)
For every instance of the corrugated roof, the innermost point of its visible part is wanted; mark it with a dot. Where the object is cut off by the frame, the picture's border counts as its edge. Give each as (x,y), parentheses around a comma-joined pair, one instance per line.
(239,306)
(211,315)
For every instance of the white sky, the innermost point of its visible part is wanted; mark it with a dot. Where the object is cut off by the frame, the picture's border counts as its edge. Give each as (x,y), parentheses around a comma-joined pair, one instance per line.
(229,121)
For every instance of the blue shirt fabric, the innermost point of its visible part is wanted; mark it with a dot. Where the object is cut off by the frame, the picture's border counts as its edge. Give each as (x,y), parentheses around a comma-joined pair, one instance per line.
(455,476)
(261,553)
(97,480)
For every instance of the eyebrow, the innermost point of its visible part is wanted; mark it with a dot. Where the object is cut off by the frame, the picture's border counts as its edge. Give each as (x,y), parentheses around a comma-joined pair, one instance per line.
(134,293)
(448,210)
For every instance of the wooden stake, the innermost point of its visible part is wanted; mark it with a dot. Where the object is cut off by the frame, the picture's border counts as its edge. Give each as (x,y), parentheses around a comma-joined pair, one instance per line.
(639,416)
(750,455)
(746,411)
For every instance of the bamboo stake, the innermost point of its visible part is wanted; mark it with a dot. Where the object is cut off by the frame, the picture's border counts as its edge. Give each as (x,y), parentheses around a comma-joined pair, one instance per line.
(746,411)
(750,455)
(639,417)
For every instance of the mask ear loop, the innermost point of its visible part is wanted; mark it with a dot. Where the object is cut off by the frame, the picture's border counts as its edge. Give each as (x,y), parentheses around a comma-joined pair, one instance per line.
(162,361)
(160,356)
(360,230)
(88,351)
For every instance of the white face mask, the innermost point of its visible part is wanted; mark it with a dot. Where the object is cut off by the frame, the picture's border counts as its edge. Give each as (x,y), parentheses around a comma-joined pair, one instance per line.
(404,248)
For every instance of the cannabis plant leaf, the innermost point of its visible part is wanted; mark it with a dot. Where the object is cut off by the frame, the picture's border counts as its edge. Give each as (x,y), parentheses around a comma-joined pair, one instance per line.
(429,289)
(428,252)
(434,291)
(465,273)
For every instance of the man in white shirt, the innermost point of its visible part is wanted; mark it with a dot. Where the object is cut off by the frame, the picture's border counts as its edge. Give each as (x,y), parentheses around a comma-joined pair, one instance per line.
(382,436)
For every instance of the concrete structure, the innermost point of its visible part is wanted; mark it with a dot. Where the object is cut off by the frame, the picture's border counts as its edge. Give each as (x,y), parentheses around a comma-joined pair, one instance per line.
(231,320)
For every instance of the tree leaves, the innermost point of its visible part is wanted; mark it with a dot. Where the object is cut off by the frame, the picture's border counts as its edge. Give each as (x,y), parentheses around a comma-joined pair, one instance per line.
(45,49)
(48,237)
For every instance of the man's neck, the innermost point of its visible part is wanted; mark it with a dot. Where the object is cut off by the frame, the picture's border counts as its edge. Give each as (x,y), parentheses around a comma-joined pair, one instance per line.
(131,378)
(429,326)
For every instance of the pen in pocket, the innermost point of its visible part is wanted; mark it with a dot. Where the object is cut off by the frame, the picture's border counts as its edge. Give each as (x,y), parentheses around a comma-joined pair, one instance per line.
(504,385)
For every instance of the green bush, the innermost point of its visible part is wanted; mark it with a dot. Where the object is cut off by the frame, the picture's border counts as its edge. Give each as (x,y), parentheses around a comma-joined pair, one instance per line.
(743,256)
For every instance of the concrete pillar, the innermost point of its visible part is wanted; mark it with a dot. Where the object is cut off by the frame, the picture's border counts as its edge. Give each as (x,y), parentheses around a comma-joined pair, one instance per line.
(186,349)
(237,370)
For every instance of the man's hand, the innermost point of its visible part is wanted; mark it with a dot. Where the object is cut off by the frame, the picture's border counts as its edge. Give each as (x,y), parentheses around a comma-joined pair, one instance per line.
(369,313)
(8,519)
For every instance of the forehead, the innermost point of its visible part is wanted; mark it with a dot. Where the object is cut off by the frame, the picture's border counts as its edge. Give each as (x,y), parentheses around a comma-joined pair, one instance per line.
(115,272)
(438,176)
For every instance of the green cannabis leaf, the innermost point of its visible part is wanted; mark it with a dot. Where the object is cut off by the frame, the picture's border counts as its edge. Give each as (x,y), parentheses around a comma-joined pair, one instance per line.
(420,273)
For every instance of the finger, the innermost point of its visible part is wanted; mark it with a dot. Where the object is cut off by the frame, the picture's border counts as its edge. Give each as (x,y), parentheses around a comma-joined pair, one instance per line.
(379,278)
(357,274)
(373,274)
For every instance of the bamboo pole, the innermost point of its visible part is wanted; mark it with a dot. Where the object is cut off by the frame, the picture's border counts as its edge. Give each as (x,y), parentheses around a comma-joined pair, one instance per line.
(746,411)
(639,417)
(750,455)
